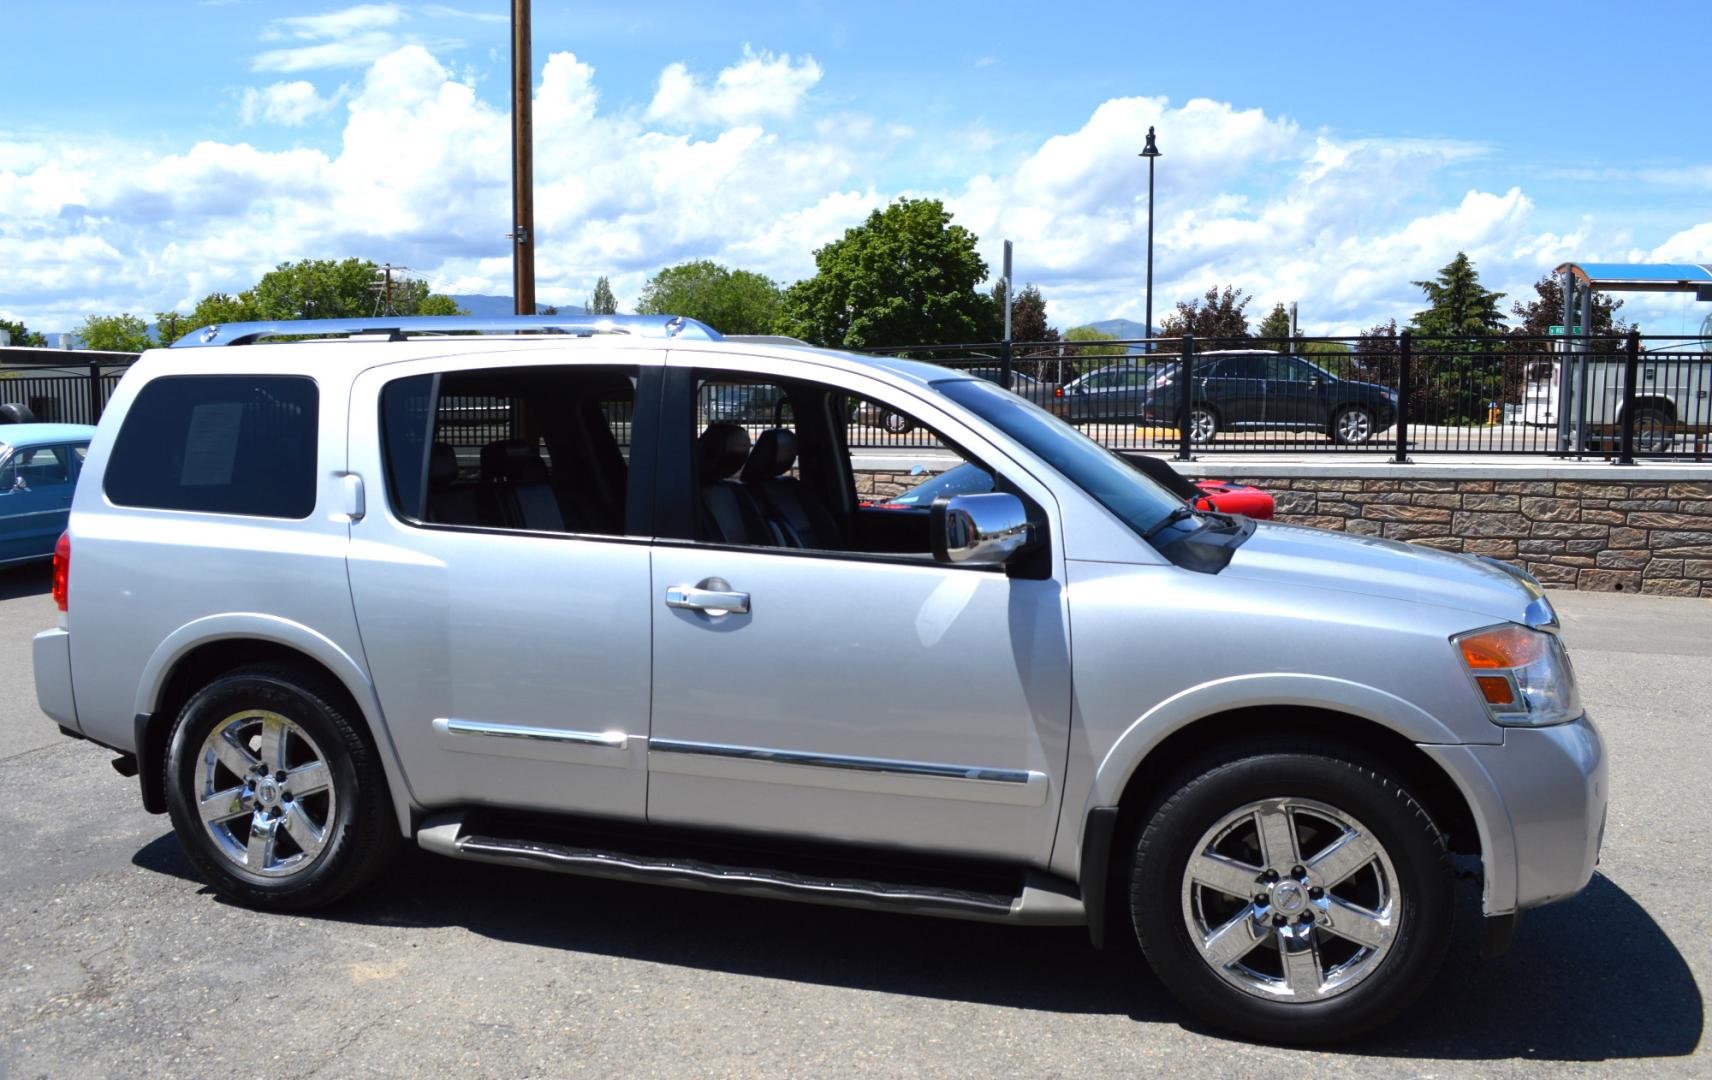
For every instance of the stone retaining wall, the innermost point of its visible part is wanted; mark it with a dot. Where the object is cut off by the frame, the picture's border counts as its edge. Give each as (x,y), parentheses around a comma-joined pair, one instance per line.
(1572,534)
(1631,536)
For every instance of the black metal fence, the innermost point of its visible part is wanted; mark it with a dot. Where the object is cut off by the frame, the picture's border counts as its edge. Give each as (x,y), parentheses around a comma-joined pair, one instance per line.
(1618,397)
(58,386)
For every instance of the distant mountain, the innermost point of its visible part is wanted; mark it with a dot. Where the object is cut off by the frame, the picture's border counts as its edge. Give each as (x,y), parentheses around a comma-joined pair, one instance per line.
(1125,329)
(494,306)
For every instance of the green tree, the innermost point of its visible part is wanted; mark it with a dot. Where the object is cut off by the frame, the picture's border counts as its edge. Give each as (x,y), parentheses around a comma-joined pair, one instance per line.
(216,309)
(1088,348)
(603,302)
(170,326)
(1028,314)
(436,304)
(338,289)
(1537,316)
(1276,327)
(906,276)
(115,333)
(730,301)
(1217,319)
(22,336)
(1455,340)
(1457,304)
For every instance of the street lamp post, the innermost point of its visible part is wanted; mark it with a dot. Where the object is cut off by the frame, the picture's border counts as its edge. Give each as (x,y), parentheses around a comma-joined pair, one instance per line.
(1150,151)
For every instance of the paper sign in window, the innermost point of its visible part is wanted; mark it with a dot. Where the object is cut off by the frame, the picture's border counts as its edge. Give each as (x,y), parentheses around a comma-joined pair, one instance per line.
(211,444)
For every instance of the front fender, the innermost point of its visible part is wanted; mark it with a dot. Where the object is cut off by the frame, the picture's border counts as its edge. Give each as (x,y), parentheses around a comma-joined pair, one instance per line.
(254,626)
(1250,691)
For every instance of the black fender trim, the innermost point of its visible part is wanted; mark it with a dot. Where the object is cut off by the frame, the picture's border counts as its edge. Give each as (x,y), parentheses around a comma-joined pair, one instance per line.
(1097,834)
(1498,933)
(151,761)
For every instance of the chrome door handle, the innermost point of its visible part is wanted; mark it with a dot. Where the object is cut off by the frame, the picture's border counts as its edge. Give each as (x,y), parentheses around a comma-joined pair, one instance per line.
(712,596)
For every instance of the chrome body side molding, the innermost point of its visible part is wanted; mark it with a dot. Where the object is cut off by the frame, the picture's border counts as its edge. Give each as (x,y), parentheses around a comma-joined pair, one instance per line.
(972,783)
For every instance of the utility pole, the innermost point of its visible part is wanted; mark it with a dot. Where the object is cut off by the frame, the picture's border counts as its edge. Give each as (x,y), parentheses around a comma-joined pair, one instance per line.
(1005,368)
(522,162)
(383,288)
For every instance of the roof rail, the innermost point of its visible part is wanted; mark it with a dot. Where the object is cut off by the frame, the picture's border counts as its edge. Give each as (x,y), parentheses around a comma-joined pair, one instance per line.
(400,328)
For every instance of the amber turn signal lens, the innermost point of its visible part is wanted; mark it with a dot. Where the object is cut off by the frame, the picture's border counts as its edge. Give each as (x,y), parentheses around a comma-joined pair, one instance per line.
(1501,647)
(1496,688)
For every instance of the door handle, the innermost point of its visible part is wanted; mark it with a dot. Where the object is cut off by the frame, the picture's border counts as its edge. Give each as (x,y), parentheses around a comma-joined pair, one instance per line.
(711,596)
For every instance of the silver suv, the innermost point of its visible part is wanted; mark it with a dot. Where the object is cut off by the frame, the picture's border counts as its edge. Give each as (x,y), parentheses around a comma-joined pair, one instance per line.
(517,598)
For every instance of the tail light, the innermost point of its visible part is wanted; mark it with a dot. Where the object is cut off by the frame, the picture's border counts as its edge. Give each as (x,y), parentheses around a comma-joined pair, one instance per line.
(1058,391)
(62,569)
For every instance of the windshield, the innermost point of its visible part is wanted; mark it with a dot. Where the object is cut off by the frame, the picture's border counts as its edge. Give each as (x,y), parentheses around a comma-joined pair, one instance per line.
(1137,501)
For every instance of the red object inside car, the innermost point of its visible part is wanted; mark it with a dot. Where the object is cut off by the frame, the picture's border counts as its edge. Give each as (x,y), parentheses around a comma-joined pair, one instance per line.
(1229,498)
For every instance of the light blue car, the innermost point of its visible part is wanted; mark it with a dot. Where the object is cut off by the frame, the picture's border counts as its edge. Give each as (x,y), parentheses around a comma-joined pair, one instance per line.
(39,464)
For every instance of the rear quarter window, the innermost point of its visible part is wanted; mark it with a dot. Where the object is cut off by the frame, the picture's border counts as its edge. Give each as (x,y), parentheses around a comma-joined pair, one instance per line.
(219,444)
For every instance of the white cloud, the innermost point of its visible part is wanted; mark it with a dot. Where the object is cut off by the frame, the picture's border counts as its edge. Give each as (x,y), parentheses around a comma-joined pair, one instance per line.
(761,86)
(348,37)
(289,104)
(421,174)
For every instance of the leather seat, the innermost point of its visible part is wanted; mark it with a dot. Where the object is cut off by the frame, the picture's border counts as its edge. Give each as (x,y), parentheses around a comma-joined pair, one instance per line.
(792,508)
(729,512)
(449,502)
(517,477)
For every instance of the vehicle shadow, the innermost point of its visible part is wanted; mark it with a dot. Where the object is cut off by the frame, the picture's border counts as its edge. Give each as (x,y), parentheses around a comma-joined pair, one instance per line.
(1590,979)
(30,579)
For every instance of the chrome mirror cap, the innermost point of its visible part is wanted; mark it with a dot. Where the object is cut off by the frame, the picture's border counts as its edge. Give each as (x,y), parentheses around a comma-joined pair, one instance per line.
(979,530)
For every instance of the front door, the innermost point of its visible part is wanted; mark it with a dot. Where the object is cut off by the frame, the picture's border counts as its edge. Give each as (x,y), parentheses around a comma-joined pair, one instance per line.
(1296,394)
(36,485)
(502,599)
(848,694)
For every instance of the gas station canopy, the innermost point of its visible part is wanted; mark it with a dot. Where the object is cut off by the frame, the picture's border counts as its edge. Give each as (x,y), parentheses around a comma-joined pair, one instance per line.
(1644,277)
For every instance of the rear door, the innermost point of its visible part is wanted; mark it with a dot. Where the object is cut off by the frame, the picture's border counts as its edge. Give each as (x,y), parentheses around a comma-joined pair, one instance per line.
(500,579)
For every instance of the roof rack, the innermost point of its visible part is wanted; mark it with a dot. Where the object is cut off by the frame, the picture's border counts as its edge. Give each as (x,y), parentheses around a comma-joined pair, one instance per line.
(401,328)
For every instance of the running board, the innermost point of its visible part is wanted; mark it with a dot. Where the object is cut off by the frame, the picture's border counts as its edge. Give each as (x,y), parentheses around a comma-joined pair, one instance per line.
(1036,898)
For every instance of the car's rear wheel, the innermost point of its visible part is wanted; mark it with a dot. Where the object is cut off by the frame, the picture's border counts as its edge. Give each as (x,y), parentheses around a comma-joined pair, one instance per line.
(1353,425)
(276,796)
(1292,895)
(1652,429)
(897,423)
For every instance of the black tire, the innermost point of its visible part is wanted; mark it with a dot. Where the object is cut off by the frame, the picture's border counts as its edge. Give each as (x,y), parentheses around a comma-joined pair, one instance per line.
(897,423)
(1350,413)
(16,413)
(1202,797)
(1652,429)
(361,831)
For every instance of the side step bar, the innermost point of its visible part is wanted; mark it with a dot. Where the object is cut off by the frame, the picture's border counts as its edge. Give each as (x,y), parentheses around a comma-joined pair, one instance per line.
(1041,900)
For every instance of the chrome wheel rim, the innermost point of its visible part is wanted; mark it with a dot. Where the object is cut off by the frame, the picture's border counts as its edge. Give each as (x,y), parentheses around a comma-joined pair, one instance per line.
(264,791)
(1201,425)
(896,424)
(1291,900)
(1355,426)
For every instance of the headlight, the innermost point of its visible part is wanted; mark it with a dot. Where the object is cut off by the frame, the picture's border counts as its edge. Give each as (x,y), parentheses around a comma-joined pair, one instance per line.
(1522,675)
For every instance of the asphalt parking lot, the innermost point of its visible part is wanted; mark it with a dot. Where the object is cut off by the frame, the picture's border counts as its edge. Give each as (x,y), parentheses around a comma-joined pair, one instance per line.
(117,961)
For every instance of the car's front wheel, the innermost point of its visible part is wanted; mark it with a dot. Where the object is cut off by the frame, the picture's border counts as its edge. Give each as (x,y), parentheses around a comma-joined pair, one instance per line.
(1292,895)
(1203,424)
(275,794)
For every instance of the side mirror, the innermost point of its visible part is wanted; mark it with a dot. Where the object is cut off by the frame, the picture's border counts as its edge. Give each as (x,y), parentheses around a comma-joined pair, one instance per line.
(19,485)
(979,530)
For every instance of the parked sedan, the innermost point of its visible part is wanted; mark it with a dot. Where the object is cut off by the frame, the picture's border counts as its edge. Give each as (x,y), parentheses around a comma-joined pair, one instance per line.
(1115,392)
(1270,391)
(39,464)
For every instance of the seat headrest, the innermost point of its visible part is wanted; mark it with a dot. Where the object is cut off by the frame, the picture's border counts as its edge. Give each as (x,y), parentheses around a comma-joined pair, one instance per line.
(512,460)
(442,465)
(721,451)
(774,453)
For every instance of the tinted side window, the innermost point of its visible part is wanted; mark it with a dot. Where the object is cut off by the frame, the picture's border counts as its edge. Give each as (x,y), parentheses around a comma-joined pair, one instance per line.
(219,444)
(540,449)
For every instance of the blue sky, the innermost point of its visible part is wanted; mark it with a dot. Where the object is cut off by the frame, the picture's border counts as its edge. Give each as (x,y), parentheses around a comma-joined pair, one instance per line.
(153,152)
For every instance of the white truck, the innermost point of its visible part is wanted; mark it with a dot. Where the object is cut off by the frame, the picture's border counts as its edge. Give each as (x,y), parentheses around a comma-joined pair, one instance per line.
(1673,396)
